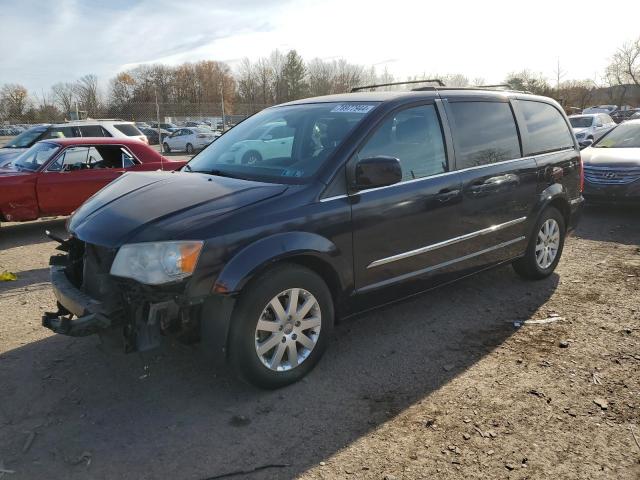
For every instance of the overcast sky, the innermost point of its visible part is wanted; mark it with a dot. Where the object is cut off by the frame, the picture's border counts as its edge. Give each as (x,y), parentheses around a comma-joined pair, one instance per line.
(45,41)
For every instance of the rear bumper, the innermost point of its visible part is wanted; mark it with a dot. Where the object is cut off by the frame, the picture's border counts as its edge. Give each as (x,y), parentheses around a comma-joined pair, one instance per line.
(576,205)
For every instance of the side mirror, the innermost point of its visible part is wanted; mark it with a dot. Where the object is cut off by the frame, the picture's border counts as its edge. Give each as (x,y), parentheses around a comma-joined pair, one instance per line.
(267,137)
(586,143)
(598,124)
(375,172)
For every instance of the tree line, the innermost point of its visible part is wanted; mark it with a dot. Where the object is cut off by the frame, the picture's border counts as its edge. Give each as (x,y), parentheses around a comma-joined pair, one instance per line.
(204,87)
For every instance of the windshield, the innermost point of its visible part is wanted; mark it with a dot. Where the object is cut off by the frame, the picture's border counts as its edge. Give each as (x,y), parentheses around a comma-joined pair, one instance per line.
(625,135)
(581,122)
(36,156)
(26,138)
(281,144)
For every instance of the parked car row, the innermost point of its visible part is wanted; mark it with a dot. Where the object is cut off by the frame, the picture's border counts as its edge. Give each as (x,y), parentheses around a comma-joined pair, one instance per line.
(82,128)
(618,114)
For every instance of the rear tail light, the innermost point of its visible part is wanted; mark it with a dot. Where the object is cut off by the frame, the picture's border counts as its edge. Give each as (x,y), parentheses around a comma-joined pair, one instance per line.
(581,175)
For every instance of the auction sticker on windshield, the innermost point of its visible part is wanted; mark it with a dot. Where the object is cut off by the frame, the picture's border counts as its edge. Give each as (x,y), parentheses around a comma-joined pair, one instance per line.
(352,108)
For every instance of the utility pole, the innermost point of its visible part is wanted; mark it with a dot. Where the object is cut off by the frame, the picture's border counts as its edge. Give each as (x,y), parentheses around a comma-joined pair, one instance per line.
(158,120)
(559,75)
(222,97)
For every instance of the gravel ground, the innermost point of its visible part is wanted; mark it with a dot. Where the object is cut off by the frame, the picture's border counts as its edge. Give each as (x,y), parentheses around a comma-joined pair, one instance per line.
(441,386)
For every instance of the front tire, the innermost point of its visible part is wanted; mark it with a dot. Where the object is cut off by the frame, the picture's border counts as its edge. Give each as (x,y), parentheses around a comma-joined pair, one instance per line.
(545,246)
(166,148)
(189,148)
(280,326)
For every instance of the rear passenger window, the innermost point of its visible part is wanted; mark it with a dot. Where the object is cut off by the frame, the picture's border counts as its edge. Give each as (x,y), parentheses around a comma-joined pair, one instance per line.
(483,133)
(414,137)
(546,128)
(92,131)
(128,129)
(61,132)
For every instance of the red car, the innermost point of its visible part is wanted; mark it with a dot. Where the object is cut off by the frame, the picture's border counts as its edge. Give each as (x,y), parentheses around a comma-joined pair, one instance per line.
(54,177)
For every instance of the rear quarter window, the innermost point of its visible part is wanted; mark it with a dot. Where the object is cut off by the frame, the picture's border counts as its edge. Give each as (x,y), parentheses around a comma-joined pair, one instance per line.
(128,129)
(93,131)
(546,128)
(483,133)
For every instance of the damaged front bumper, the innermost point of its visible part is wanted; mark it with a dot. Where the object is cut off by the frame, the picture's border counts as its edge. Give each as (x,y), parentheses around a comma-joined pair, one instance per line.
(91,301)
(91,314)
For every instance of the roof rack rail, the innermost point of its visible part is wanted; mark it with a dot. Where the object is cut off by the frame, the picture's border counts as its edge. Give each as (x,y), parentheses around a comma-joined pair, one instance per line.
(89,119)
(410,82)
(499,85)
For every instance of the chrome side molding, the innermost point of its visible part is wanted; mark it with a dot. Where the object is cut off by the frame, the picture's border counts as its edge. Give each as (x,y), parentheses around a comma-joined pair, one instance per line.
(451,241)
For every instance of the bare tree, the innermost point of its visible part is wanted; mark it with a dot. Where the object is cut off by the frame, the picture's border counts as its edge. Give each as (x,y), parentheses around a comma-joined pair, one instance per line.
(88,96)
(14,100)
(526,80)
(64,94)
(626,63)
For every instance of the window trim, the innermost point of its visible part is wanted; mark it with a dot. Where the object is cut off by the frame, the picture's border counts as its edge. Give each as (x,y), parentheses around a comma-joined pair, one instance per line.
(351,161)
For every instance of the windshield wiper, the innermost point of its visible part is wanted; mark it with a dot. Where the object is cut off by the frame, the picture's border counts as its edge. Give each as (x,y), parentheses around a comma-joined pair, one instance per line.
(217,173)
(220,173)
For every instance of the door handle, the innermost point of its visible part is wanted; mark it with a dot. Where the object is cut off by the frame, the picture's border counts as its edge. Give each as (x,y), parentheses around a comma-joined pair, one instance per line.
(446,195)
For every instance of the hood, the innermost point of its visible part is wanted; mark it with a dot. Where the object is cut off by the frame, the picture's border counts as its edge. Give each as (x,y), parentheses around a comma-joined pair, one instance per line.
(157,206)
(611,157)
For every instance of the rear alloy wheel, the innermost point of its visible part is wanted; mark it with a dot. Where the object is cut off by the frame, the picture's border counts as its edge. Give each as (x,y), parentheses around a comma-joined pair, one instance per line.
(189,148)
(280,326)
(547,243)
(545,247)
(165,147)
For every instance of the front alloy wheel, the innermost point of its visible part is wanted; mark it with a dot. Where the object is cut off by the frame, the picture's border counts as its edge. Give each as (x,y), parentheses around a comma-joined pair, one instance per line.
(280,326)
(288,329)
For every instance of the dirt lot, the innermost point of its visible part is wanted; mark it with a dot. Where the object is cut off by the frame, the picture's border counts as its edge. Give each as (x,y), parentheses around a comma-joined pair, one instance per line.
(441,386)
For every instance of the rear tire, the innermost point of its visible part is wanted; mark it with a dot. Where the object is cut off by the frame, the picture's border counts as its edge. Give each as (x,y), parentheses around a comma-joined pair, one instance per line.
(189,148)
(165,147)
(545,246)
(280,326)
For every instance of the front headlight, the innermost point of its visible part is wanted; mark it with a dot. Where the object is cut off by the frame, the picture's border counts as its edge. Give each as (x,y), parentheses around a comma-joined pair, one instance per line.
(156,263)
(580,135)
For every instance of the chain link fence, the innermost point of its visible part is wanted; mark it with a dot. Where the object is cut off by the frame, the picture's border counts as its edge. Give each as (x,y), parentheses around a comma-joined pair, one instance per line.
(177,113)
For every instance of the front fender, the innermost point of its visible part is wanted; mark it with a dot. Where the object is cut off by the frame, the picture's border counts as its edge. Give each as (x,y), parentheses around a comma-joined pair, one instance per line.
(255,257)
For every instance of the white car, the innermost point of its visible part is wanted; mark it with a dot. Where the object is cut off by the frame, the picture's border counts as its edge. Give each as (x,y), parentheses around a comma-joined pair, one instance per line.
(273,140)
(189,139)
(96,128)
(591,126)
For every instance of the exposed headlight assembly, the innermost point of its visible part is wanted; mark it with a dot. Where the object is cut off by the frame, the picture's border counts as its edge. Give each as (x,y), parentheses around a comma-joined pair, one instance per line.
(580,135)
(155,263)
